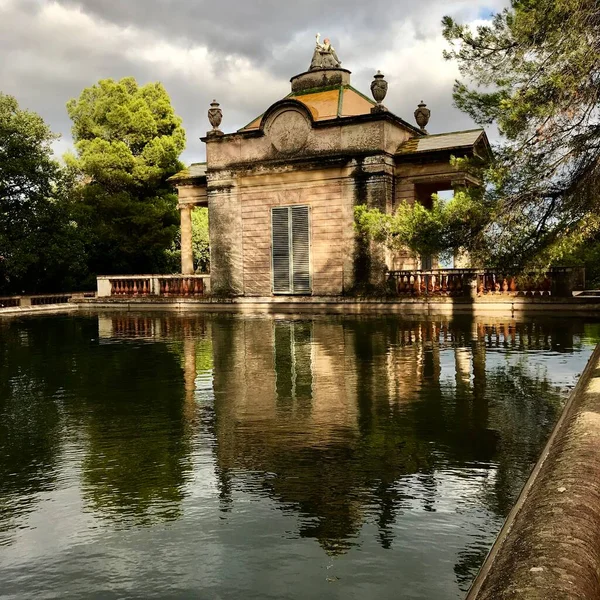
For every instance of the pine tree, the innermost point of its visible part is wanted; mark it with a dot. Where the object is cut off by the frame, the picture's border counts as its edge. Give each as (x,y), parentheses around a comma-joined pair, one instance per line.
(534,71)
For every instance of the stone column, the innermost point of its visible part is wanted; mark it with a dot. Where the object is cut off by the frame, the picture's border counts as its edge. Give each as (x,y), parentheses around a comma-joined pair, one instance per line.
(187,257)
(373,186)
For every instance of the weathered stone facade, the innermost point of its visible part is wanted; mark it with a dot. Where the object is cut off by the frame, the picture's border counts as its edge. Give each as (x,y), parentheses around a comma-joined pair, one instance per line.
(326,147)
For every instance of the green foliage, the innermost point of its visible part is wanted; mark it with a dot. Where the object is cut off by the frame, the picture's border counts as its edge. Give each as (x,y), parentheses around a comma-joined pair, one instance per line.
(41,248)
(441,230)
(200,245)
(200,240)
(534,72)
(128,141)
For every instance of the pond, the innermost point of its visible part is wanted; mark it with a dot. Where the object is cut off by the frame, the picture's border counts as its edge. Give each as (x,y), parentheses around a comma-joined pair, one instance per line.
(210,456)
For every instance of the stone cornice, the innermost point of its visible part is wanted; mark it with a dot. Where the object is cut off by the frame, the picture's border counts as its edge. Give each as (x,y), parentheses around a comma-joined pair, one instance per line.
(336,122)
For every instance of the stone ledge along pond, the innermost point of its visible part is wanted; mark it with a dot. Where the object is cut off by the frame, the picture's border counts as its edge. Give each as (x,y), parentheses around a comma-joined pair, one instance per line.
(210,456)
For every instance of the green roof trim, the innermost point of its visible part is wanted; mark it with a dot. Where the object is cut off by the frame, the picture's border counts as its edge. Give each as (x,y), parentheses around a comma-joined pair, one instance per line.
(430,135)
(315,90)
(340,101)
(248,124)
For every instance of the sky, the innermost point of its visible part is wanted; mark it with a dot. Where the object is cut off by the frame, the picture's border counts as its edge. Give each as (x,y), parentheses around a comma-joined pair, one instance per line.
(240,52)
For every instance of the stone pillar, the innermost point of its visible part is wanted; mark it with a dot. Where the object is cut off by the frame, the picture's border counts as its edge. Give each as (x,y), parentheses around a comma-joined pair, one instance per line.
(187,255)
(373,186)
(226,249)
(189,378)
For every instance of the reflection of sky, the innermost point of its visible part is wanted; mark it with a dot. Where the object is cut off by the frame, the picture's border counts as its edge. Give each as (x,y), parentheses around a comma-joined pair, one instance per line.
(561,369)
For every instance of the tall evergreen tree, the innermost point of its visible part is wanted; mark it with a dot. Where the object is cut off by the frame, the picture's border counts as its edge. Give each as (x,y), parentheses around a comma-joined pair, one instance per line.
(128,140)
(535,72)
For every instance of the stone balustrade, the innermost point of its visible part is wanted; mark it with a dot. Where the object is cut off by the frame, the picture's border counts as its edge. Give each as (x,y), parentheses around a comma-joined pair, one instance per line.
(558,282)
(40,299)
(10,302)
(140,286)
(131,286)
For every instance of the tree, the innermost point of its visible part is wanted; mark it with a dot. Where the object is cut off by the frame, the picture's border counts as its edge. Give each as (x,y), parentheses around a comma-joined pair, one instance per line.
(441,230)
(40,245)
(128,140)
(200,239)
(534,71)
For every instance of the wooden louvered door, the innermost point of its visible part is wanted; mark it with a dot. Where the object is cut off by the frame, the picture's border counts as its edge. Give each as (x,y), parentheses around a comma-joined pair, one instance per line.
(300,250)
(290,230)
(280,250)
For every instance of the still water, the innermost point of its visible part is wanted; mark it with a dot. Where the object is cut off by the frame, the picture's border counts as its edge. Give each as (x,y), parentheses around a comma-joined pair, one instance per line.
(219,457)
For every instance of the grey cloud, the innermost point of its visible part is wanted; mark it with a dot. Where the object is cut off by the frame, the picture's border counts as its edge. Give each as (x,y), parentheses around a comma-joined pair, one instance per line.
(253,28)
(43,68)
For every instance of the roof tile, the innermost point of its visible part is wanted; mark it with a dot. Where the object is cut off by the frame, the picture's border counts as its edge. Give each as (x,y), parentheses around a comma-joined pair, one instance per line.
(442,141)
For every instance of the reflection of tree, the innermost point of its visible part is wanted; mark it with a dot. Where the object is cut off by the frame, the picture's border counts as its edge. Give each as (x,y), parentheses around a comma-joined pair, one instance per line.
(526,408)
(125,406)
(469,561)
(523,407)
(139,421)
(137,453)
(37,358)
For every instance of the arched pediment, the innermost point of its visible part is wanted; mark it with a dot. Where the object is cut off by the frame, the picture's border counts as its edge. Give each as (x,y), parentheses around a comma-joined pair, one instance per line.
(287,124)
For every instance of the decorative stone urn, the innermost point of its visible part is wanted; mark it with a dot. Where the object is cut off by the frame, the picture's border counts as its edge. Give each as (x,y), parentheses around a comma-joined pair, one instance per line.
(379,88)
(215,116)
(422,115)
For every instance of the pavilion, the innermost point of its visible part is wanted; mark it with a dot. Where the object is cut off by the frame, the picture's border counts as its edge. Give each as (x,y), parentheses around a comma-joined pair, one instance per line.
(281,191)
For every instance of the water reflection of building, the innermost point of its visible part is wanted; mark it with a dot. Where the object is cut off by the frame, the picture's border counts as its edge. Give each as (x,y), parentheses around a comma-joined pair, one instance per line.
(284,375)
(309,403)
(332,415)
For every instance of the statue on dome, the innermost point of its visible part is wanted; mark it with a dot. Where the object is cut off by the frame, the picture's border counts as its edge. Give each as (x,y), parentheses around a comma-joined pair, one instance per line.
(324,56)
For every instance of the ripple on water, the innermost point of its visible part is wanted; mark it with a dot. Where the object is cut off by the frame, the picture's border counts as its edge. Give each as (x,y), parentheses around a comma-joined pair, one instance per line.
(208,456)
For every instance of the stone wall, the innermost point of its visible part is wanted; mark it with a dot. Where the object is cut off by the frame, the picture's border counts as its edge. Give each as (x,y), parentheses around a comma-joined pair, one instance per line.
(225,218)
(290,134)
(240,225)
(328,222)
(373,185)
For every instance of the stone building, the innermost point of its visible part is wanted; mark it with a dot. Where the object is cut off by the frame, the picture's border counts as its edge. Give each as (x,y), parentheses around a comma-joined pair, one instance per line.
(281,191)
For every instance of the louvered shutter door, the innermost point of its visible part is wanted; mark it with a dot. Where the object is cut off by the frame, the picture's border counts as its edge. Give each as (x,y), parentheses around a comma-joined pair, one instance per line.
(281,250)
(300,250)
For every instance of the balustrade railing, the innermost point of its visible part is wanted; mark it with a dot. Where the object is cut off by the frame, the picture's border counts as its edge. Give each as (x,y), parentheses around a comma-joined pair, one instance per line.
(181,286)
(10,302)
(130,287)
(558,281)
(439,281)
(41,299)
(139,286)
(54,299)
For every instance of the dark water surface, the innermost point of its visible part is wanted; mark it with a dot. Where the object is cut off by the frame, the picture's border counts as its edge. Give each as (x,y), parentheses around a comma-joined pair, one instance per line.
(217,457)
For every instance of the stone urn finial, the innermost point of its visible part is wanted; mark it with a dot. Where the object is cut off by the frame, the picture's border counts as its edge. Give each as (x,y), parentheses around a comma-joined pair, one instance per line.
(422,115)
(379,88)
(215,116)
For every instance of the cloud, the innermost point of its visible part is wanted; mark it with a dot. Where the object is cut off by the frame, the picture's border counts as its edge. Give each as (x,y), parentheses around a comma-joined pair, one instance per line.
(242,53)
